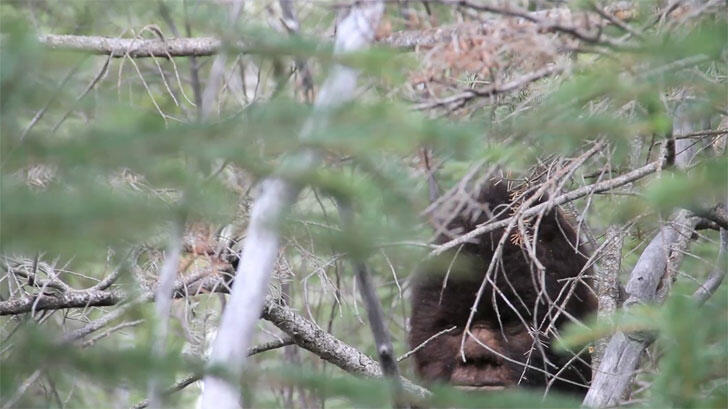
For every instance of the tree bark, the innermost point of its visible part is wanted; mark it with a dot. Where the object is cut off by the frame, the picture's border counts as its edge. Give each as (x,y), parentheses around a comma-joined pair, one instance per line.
(649,282)
(311,337)
(133,47)
(606,285)
(260,249)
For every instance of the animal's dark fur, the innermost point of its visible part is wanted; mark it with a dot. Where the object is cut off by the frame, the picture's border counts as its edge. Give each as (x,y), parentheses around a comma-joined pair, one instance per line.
(437,306)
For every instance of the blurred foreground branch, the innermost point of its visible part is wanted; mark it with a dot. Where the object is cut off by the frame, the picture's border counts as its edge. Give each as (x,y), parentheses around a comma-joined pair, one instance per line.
(204,283)
(557,19)
(260,248)
(302,332)
(133,47)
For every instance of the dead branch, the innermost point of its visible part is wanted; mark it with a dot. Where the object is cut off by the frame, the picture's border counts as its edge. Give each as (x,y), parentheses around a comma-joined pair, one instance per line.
(558,19)
(73,299)
(623,352)
(583,26)
(375,315)
(302,332)
(650,282)
(566,197)
(163,301)
(311,337)
(717,215)
(103,298)
(189,380)
(134,47)
(178,386)
(462,98)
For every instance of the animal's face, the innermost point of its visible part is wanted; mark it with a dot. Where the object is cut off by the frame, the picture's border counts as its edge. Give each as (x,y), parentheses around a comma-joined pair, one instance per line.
(520,308)
(502,349)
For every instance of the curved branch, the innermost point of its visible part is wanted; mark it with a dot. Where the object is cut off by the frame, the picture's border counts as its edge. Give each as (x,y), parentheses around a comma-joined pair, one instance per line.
(311,337)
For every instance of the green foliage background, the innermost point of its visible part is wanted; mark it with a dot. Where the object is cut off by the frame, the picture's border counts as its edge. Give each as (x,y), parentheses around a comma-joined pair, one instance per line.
(117,174)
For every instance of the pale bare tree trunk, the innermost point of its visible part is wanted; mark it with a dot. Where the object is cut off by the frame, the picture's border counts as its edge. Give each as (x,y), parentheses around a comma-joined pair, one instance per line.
(260,249)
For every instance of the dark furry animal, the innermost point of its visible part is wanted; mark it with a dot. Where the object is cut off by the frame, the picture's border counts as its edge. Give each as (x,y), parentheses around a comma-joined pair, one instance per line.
(516,308)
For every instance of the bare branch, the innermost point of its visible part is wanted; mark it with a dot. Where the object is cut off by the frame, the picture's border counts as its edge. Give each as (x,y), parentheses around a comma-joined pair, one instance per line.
(275,344)
(91,85)
(650,282)
(302,332)
(581,27)
(103,298)
(496,89)
(209,94)
(385,350)
(12,400)
(38,115)
(260,249)
(311,337)
(718,215)
(424,343)
(91,341)
(99,323)
(290,21)
(566,197)
(558,19)
(73,299)
(136,48)
(185,382)
(178,386)
(624,350)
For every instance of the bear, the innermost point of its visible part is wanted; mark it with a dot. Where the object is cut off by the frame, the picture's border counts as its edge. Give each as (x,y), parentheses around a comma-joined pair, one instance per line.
(522,305)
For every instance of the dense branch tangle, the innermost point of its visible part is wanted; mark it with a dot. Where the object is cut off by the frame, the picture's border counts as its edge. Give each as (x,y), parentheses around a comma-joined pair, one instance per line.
(302,332)
(559,19)
(53,294)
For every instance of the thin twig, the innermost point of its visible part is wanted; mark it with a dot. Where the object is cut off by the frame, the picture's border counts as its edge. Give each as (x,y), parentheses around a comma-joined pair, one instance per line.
(424,343)
(514,85)
(91,85)
(566,197)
